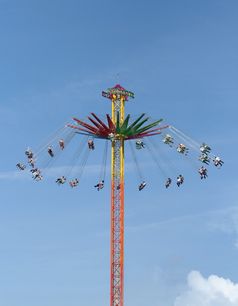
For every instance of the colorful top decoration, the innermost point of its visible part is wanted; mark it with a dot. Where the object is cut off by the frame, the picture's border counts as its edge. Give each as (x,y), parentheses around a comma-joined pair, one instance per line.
(125,130)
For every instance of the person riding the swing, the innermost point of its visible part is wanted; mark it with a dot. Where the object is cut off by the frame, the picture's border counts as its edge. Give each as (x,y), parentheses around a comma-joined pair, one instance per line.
(142,186)
(168,139)
(180,180)
(111,136)
(61,180)
(204,148)
(100,185)
(29,153)
(36,175)
(203,172)
(168,182)
(218,162)
(204,158)
(61,144)
(31,162)
(21,166)
(50,151)
(140,144)
(91,144)
(74,183)
(182,149)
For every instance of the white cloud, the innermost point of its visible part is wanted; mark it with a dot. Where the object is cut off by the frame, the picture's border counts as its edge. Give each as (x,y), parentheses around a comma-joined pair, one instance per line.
(211,291)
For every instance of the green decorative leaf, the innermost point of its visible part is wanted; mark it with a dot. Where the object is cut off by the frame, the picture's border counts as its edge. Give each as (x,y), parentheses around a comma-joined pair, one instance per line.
(135,122)
(131,129)
(147,127)
(140,124)
(125,124)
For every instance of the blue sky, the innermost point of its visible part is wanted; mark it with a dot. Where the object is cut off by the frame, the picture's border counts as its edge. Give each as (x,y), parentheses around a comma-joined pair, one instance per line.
(181,60)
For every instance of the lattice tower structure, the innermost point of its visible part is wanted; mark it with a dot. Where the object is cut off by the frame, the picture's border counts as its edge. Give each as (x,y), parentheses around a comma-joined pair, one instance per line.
(117,206)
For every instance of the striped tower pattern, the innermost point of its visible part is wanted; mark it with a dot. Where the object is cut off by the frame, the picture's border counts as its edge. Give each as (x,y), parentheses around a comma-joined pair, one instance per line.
(117,207)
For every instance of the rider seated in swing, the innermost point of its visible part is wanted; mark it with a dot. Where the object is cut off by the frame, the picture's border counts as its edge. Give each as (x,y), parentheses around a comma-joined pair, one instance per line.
(35,170)
(168,182)
(21,166)
(204,148)
(61,180)
(36,175)
(111,136)
(74,183)
(31,162)
(91,144)
(180,180)
(203,172)
(204,158)
(168,140)
(100,185)
(182,149)
(29,153)
(142,186)
(61,144)
(218,162)
(140,144)
(50,151)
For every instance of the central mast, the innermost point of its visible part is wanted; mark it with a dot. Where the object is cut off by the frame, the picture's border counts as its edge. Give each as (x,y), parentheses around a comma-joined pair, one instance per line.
(118,95)
(117,206)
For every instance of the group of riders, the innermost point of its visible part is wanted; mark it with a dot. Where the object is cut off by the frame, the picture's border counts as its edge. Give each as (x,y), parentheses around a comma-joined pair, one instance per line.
(204,149)
(74,183)
(36,173)
(168,139)
(181,148)
(180,180)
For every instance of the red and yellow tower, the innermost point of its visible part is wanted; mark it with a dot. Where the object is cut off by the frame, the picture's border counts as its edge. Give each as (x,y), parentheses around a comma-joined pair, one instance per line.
(117,130)
(117,204)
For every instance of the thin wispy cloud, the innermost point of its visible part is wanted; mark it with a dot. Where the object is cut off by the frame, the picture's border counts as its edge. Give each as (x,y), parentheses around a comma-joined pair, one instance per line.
(14,175)
(226,221)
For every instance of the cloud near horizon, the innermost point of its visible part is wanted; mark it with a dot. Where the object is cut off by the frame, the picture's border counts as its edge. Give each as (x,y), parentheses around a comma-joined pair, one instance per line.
(211,291)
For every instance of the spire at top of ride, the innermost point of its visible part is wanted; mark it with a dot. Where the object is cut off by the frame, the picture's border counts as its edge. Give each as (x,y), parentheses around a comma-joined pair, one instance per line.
(118,86)
(117,92)
(116,126)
